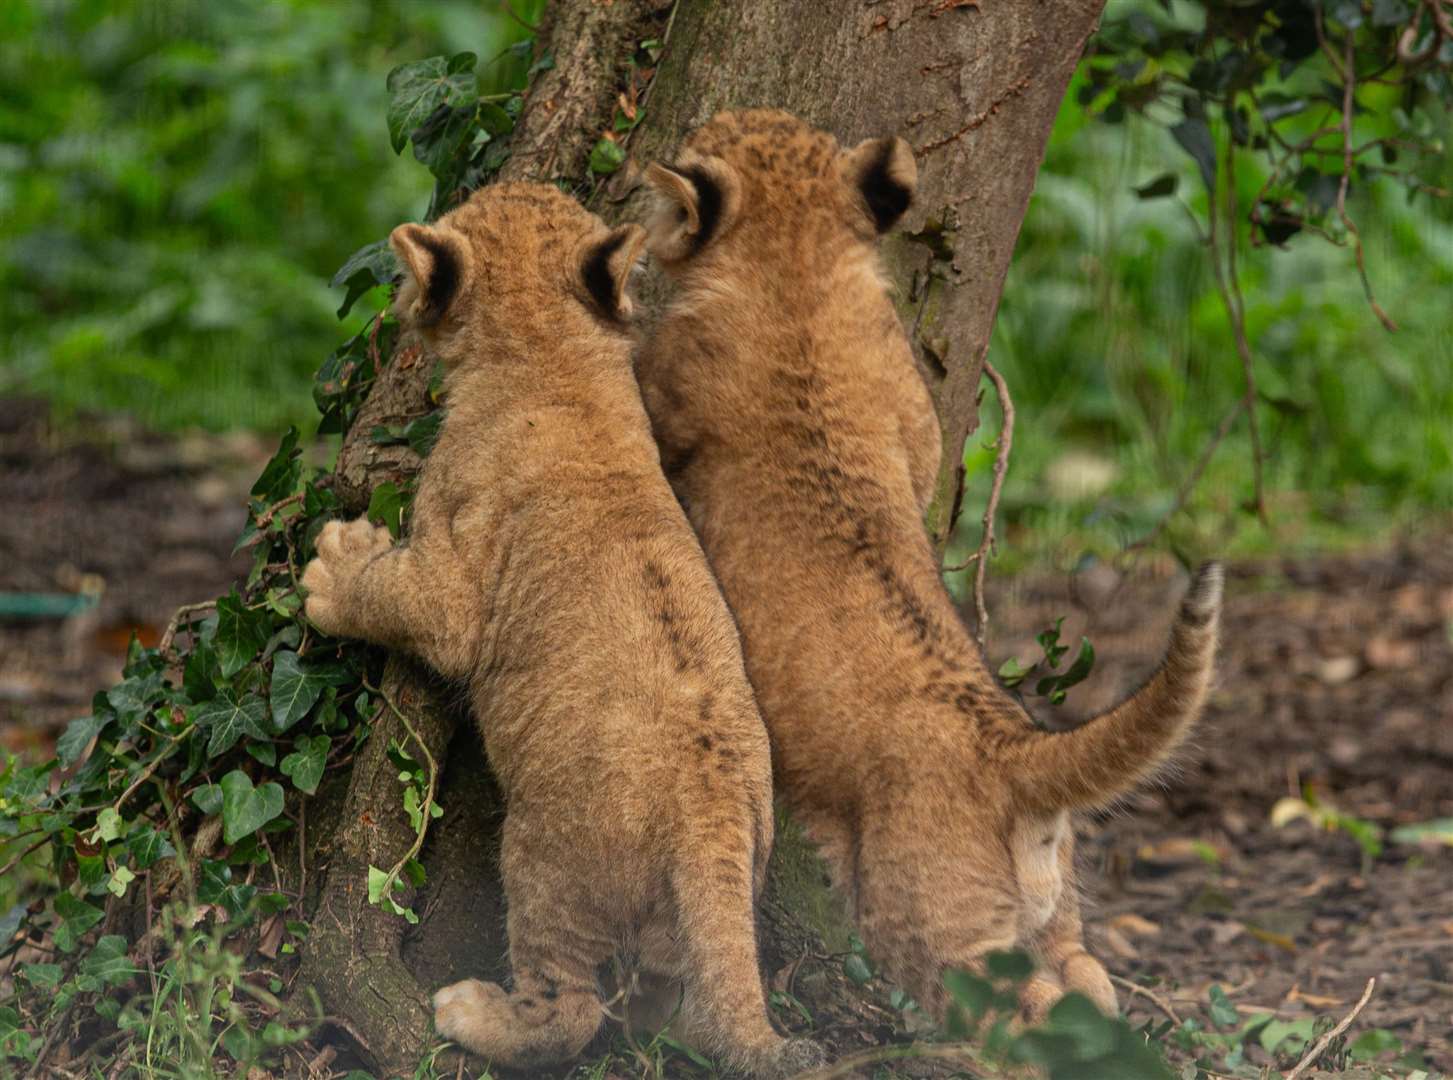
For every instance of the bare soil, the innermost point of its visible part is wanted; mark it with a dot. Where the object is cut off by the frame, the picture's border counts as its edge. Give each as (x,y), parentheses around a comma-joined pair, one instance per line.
(1336,672)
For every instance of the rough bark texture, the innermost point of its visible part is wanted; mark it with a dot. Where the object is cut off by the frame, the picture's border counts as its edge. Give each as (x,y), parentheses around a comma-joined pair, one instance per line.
(975,92)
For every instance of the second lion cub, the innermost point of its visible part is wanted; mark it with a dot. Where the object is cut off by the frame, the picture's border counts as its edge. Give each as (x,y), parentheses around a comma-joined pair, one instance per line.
(797,431)
(551,568)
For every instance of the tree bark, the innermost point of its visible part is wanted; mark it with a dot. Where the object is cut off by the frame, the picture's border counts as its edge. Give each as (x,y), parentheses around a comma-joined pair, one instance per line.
(975,92)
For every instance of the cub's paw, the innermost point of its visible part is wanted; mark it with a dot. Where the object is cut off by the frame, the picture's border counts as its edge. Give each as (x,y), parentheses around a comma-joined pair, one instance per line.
(343,551)
(466,1011)
(799,1056)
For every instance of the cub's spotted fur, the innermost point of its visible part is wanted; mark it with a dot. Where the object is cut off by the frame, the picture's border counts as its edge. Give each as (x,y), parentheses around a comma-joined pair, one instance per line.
(551,568)
(799,436)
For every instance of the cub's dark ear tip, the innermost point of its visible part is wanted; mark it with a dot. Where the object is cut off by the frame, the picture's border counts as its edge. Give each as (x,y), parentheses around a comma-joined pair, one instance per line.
(606,265)
(888,182)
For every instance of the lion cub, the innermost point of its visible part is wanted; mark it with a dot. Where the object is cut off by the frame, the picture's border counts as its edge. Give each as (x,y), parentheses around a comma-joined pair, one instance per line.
(800,437)
(551,568)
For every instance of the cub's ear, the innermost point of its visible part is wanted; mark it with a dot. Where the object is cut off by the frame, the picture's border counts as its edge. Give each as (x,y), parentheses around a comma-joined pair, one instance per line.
(884,174)
(435,267)
(605,268)
(697,201)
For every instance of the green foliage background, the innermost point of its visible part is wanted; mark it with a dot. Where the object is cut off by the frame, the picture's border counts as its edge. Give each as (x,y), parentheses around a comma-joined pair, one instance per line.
(178,182)
(180,179)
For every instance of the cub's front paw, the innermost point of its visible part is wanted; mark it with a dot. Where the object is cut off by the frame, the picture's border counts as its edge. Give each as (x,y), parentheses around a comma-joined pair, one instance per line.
(343,551)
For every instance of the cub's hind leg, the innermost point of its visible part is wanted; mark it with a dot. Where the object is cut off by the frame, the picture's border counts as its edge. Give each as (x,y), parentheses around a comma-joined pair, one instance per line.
(555,949)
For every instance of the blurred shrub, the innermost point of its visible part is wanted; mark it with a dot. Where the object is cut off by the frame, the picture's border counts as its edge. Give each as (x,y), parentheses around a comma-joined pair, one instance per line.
(180,178)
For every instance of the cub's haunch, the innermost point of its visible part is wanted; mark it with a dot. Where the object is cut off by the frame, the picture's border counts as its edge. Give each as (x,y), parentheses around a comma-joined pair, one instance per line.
(551,569)
(799,435)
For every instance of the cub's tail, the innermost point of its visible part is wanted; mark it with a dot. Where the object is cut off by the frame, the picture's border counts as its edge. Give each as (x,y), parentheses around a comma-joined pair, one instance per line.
(1110,754)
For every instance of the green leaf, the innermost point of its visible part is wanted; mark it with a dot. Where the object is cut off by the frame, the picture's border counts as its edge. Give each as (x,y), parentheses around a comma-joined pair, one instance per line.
(246,809)
(1223,1013)
(280,475)
(296,686)
(228,719)
(1372,1043)
(371,265)
(1437,831)
(76,918)
(1012,672)
(108,963)
(606,157)
(970,991)
(208,799)
(147,845)
(386,506)
(1076,1016)
(44,976)
(1194,137)
(856,968)
(1009,965)
(77,736)
(133,698)
(1291,1034)
(240,635)
(377,882)
(417,89)
(214,886)
(306,763)
(108,824)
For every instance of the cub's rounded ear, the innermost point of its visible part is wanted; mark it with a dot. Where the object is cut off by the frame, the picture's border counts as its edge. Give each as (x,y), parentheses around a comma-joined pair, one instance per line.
(884,174)
(696,201)
(435,266)
(606,263)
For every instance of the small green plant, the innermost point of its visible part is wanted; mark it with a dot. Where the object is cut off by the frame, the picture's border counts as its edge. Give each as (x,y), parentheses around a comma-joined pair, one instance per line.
(1048,682)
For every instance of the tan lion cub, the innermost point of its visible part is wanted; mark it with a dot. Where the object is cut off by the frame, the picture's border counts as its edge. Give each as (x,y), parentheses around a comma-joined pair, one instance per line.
(550,566)
(797,432)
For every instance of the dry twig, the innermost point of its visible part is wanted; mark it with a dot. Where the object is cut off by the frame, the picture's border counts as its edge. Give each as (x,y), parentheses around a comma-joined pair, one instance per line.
(1326,1040)
(186,611)
(1002,447)
(1146,992)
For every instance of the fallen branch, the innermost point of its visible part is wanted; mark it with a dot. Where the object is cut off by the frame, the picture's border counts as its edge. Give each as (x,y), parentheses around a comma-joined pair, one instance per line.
(1326,1040)
(1002,447)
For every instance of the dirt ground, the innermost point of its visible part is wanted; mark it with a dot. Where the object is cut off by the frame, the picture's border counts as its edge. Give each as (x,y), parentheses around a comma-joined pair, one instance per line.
(1335,672)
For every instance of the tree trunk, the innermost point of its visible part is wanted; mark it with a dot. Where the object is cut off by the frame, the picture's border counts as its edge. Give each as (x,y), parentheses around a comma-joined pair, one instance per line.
(975,92)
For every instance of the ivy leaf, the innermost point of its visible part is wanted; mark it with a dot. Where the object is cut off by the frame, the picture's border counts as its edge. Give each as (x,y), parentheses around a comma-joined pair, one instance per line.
(43,976)
(133,698)
(240,635)
(214,886)
(78,735)
(606,157)
(305,764)
(373,264)
(386,507)
(108,824)
(856,968)
(120,878)
(229,718)
(208,799)
(76,918)
(280,475)
(296,687)
(1012,965)
(1194,137)
(107,964)
(147,845)
(417,89)
(1223,1013)
(246,809)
